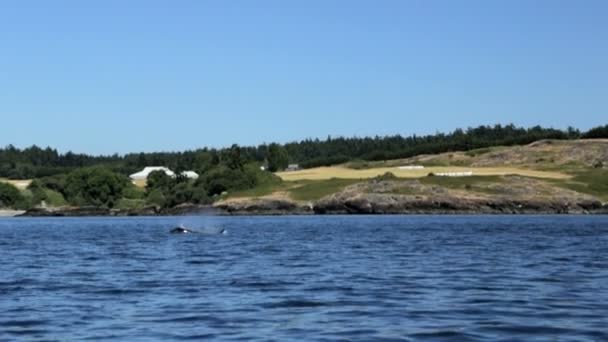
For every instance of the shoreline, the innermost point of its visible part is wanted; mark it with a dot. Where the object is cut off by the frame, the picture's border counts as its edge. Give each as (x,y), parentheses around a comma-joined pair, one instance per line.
(307,210)
(11,213)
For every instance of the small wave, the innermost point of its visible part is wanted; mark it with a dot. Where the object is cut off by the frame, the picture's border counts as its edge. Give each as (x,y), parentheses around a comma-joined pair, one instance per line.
(532,330)
(115,292)
(209,319)
(294,303)
(445,335)
(28,332)
(353,332)
(201,262)
(24,323)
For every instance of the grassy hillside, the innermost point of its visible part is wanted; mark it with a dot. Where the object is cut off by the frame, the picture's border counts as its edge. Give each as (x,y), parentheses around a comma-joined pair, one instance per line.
(545,169)
(324,173)
(562,156)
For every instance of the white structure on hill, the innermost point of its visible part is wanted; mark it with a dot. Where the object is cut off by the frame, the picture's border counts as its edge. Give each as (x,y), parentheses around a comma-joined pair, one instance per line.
(190,174)
(143,174)
(411,167)
(454,174)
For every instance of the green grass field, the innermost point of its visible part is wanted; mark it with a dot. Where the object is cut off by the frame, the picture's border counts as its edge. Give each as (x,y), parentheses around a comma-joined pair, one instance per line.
(314,190)
(592,182)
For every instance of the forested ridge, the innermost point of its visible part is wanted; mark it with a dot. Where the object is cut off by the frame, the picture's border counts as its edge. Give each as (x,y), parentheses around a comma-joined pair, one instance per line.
(34,161)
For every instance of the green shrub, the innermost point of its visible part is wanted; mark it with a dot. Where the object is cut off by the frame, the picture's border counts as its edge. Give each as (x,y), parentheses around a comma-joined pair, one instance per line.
(222,179)
(95,186)
(54,198)
(160,180)
(133,192)
(10,196)
(385,177)
(56,183)
(156,198)
(130,204)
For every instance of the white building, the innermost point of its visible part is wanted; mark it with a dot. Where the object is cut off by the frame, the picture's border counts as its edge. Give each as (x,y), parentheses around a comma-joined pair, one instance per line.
(143,174)
(190,174)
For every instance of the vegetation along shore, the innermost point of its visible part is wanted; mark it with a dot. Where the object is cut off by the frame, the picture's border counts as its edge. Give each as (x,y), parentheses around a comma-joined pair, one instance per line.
(484,170)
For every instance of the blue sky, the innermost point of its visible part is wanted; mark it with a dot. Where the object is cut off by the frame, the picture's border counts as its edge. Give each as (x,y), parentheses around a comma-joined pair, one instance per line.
(126,76)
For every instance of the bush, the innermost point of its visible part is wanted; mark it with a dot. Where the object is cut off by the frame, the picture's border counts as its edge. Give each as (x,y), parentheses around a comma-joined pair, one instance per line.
(53,198)
(10,196)
(159,180)
(127,204)
(37,190)
(156,198)
(385,177)
(56,183)
(95,186)
(180,193)
(200,195)
(133,192)
(222,179)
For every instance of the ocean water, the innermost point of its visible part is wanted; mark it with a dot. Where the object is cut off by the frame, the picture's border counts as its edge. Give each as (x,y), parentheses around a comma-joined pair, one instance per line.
(435,278)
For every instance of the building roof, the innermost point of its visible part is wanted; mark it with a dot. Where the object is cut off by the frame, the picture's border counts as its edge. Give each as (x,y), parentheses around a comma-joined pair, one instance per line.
(190,174)
(143,174)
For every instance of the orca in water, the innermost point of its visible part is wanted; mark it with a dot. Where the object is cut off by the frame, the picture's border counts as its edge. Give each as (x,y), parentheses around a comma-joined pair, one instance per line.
(180,230)
(183,230)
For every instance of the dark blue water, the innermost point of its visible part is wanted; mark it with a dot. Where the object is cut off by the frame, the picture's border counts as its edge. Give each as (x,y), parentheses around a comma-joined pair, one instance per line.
(306,278)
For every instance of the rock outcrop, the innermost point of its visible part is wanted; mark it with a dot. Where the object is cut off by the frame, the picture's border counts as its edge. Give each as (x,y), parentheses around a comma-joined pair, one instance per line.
(264,206)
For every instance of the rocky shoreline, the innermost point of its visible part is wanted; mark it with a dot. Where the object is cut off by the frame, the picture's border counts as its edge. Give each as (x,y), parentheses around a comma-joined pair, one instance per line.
(350,206)
(514,196)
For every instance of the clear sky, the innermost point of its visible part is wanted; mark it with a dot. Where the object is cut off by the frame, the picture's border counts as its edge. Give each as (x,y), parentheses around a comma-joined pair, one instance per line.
(127,76)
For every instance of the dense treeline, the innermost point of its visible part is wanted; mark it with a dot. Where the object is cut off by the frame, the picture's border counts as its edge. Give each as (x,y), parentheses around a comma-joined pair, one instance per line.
(36,162)
(596,133)
(100,186)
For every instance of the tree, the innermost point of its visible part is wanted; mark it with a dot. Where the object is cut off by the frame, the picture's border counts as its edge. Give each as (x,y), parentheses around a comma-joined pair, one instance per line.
(159,180)
(180,193)
(232,158)
(156,197)
(223,178)
(597,132)
(277,158)
(9,195)
(95,186)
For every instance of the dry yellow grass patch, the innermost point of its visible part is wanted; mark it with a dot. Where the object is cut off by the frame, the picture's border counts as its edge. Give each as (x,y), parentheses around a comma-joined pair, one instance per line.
(321,173)
(20,184)
(141,183)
